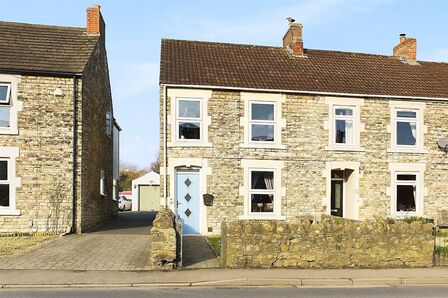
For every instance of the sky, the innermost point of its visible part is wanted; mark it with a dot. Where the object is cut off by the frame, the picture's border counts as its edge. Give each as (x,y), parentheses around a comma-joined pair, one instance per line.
(134,29)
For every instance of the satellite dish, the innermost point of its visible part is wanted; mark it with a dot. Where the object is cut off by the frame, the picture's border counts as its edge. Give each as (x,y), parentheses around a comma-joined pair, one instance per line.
(443,144)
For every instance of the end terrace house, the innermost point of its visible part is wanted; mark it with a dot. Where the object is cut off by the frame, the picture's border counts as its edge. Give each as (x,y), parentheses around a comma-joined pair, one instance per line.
(56,128)
(283,132)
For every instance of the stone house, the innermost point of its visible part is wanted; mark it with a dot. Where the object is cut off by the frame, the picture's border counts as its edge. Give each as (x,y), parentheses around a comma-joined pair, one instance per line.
(284,132)
(56,128)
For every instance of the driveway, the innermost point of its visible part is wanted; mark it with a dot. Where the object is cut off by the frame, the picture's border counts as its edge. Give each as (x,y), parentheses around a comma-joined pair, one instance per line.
(122,244)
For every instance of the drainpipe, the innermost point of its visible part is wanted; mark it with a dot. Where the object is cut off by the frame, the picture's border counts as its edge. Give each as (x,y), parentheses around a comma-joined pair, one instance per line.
(165,199)
(75,143)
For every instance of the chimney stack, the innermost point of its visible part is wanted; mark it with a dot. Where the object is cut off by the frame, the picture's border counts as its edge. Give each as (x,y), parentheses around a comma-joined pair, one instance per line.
(95,22)
(407,48)
(293,38)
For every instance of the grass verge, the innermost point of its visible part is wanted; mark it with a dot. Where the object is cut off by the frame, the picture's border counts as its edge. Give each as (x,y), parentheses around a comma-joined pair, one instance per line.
(215,243)
(14,245)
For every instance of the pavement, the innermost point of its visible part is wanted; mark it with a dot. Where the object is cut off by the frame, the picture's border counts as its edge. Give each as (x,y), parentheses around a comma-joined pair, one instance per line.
(222,278)
(122,244)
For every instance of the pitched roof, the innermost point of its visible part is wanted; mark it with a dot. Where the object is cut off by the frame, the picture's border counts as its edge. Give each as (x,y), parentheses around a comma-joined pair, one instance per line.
(41,48)
(261,67)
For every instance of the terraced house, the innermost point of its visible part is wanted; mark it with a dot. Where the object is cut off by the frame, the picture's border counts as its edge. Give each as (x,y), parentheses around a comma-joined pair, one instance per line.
(283,132)
(56,128)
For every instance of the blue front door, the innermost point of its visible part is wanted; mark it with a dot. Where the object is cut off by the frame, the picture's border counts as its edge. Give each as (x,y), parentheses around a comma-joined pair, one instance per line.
(188,200)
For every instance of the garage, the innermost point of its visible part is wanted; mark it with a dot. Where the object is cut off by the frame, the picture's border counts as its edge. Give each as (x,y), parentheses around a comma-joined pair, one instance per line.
(146,192)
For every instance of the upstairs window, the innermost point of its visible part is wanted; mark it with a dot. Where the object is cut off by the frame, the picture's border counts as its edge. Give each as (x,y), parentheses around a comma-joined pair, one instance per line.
(5,105)
(189,119)
(343,125)
(109,124)
(262,122)
(406,128)
(5,200)
(262,191)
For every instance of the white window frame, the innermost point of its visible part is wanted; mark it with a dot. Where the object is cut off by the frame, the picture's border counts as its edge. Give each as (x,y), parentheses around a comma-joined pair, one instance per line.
(172,131)
(278,100)
(421,128)
(109,124)
(189,119)
(261,191)
(10,154)
(417,169)
(409,120)
(345,118)
(14,104)
(417,193)
(276,166)
(8,93)
(263,122)
(102,183)
(358,127)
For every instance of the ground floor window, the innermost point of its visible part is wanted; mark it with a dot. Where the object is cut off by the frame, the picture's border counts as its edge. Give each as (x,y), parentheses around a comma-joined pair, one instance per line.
(406,192)
(262,192)
(8,180)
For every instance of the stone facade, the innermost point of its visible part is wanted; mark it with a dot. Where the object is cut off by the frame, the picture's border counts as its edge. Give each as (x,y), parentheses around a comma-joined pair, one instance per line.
(45,142)
(306,158)
(331,243)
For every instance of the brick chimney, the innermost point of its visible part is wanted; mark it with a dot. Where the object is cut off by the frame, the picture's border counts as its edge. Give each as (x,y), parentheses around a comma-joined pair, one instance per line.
(95,21)
(407,48)
(293,38)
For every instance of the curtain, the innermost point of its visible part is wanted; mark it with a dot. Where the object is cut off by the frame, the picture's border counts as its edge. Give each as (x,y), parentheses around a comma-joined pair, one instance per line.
(269,182)
(413,129)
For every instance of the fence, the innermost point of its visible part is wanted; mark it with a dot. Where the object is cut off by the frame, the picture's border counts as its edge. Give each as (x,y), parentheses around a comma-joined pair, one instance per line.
(441,246)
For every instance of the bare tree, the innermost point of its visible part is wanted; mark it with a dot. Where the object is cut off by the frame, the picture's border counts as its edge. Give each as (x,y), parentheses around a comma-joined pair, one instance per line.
(155,165)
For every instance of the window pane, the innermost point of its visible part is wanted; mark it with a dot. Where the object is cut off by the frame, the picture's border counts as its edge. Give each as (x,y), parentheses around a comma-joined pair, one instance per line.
(407,114)
(406,177)
(262,111)
(3,170)
(262,203)
(189,131)
(406,198)
(189,109)
(262,180)
(344,112)
(4,195)
(3,93)
(406,133)
(344,132)
(4,116)
(262,132)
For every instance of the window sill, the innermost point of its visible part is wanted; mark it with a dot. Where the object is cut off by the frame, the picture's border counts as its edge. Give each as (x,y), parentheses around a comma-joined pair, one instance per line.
(345,149)
(262,217)
(190,144)
(12,212)
(8,131)
(407,150)
(263,146)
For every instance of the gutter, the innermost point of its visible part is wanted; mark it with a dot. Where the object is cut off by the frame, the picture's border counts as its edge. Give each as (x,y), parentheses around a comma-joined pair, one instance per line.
(40,72)
(74,161)
(302,92)
(165,165)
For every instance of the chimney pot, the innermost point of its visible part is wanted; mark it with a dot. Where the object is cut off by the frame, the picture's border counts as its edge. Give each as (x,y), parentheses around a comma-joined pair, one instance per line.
(292,40)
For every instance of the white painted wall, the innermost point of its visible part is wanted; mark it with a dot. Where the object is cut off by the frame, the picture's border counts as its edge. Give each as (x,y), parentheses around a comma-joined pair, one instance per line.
(151,178)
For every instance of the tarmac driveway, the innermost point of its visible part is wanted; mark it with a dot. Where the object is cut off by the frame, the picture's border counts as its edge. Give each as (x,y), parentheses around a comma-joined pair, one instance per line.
(122,244)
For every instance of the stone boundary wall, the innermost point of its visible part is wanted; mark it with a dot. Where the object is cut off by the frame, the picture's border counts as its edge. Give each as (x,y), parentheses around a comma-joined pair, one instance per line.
(330,243)
(165,241)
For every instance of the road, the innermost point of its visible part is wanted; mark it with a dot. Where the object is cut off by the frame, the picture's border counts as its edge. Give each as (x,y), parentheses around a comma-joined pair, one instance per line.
(376,291)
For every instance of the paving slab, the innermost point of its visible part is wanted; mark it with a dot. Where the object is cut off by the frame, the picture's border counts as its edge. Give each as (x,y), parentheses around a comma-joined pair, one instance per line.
(197,253)
(376,281)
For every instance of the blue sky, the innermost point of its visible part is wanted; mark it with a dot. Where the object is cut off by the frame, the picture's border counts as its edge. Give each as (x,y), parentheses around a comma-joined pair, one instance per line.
(134,29)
